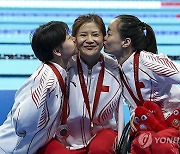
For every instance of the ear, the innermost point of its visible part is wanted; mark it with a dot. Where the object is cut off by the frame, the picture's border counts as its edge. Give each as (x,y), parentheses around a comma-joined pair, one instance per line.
(126,43)
(57,52)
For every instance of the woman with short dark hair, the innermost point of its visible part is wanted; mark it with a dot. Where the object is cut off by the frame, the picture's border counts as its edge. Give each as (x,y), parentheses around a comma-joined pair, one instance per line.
(39,103)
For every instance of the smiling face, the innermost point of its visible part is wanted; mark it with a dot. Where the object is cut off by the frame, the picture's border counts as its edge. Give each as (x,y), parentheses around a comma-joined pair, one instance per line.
(89,40)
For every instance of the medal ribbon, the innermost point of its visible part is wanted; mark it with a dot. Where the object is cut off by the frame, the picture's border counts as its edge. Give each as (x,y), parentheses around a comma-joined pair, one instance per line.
(63,89)
(136,67)
(136,76)
(84,88)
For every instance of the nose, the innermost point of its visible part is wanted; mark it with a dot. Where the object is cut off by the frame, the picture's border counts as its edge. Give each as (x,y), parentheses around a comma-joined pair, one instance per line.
(73,39)
(105,37)
(89,39)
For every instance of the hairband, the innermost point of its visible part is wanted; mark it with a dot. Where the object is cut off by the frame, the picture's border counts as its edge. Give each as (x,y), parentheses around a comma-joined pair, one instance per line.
(143,27)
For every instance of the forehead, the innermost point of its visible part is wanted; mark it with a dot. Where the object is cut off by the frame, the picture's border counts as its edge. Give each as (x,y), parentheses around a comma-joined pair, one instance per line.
(89,26)
(113,25)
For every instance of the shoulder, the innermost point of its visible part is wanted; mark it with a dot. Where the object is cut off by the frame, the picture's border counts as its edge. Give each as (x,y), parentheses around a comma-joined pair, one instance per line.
(152,57)
(158,59)
(44,70)
(110,62)
(158,63)
(72,62)
(44,76)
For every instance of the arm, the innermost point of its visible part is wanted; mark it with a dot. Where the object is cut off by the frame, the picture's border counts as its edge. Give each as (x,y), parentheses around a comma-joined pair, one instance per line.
(38,114)
(120,118)
(162,66)
(31,114)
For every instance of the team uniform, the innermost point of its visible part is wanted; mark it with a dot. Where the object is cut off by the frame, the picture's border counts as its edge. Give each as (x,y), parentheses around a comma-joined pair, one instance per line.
(78,122)
(159,79)
(36,113)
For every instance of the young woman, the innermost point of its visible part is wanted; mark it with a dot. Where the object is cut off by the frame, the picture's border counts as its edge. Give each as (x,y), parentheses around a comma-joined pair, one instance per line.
(38,105)
(146,76)
(94,92)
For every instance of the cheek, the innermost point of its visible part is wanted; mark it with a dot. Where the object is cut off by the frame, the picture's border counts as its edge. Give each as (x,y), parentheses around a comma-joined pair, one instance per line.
(109,42)
(113,42)
(101,43)
(79,43)
(113,46)
(100,40)
(116,46)
(70,46)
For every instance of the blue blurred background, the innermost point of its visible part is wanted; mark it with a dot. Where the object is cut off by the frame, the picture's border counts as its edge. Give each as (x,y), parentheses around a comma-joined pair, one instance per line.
(19,18)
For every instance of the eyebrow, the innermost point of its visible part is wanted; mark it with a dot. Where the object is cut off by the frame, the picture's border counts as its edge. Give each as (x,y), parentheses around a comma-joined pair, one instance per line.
(97,31)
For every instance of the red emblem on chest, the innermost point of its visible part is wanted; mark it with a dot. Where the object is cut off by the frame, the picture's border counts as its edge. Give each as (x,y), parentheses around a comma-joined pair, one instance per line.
(105,88)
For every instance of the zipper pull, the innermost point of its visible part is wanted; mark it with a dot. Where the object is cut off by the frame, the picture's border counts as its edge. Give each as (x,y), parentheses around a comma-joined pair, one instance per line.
(89,71)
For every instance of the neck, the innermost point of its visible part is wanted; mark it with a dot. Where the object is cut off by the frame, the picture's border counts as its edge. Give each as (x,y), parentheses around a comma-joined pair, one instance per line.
(61,62)
(124,56)
(90,61)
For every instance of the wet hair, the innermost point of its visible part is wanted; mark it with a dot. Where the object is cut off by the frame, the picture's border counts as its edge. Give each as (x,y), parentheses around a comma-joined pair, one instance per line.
(47,37)
(86,19)
(141,34)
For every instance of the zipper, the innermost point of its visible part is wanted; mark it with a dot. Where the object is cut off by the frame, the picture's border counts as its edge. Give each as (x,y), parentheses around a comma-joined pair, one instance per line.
(89,72)
(89,80)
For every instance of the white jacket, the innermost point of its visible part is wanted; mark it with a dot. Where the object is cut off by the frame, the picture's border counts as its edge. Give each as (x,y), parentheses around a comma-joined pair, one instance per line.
(161,79)
(78,121)
(35,114)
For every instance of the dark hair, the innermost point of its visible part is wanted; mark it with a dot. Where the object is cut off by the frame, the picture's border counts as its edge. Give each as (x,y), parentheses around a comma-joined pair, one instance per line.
(140,33)
(47,37)
(88,18)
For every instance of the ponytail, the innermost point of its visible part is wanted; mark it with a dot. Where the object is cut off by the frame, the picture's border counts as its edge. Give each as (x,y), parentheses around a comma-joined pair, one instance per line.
(151,45)
(141,34)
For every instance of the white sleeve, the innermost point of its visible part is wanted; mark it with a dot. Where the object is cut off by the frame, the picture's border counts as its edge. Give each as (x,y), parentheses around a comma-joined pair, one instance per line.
(31,112)
(27,116)
(120,118)
(161,65)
